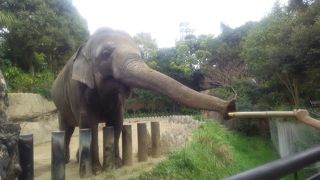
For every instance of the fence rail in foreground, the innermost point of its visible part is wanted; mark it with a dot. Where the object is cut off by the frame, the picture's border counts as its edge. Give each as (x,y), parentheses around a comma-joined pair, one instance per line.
(282,167)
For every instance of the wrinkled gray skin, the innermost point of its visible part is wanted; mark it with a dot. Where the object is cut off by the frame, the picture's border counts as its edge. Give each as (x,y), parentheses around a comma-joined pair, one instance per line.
(93,85)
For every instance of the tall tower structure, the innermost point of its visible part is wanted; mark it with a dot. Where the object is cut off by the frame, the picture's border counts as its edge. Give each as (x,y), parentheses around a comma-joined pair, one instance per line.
(185,30)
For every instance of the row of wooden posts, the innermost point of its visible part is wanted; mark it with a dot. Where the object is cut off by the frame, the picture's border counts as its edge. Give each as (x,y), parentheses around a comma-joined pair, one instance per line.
(58,150)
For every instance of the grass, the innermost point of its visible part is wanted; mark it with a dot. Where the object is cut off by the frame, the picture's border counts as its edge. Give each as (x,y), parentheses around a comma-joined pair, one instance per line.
(214,153)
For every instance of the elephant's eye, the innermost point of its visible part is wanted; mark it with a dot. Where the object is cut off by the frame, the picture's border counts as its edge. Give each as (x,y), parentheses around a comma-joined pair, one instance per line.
(107,52)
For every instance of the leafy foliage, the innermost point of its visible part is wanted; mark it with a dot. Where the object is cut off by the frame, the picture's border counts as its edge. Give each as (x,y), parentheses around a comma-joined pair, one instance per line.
(153,104)
(41,27)
(37,36)
(213,153)
(147,45)
(225,63)
(19,81)
(282,53)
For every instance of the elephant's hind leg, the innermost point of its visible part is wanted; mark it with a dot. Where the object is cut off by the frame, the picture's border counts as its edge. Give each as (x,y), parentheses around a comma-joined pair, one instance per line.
(68,133)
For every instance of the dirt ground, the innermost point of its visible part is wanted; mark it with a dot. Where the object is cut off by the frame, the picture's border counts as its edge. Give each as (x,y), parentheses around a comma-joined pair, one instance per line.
(175,132)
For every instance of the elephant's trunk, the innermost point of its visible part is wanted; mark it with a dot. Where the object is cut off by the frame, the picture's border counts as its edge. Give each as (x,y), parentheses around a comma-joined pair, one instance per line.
(138,74)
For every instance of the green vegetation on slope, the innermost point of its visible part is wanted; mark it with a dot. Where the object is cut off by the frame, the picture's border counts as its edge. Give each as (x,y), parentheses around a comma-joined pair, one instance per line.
(19,81)
(214,153)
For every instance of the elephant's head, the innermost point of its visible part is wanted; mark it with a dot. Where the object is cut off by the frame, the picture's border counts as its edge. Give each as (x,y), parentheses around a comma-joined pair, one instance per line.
(111,54)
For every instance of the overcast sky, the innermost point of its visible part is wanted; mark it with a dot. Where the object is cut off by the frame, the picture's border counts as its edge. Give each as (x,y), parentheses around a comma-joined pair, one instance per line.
(161,18)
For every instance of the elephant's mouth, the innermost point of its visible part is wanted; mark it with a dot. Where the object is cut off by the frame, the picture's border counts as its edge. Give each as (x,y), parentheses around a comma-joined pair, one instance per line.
(137,74)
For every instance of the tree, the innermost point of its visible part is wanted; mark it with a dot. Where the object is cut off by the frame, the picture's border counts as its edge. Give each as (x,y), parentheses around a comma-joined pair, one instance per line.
(295,4)
(147,44)
(41,32)
(282,53)
(225,63)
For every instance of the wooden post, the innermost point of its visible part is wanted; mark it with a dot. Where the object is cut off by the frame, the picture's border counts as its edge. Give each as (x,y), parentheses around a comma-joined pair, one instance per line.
(142,142)
(57,155)
(108,148)
(85,161)
(127,145)
(26,157)
(155,139)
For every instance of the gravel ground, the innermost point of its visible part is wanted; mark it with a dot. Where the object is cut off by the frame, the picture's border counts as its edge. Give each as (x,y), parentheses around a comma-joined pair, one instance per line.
(175,132)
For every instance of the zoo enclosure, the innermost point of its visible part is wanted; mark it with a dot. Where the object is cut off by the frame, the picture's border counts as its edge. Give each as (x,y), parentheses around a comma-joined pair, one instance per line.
(85,162)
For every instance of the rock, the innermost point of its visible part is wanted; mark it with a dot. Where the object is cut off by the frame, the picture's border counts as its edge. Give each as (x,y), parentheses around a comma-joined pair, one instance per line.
(9,159)
(27,106)
(35,114)
(41,127)
(9,136)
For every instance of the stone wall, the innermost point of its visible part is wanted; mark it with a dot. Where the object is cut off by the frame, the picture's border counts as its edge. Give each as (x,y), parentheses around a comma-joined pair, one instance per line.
(27,106)
(35,114)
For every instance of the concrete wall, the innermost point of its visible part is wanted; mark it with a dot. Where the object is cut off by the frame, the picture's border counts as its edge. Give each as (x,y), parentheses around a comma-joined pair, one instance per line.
(35,114)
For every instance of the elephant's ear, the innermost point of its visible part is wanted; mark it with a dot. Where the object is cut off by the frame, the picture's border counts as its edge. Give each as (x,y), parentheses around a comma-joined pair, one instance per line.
(82,68)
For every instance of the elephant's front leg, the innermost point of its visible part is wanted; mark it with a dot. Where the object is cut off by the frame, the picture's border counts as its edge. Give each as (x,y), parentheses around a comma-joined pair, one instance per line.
(117,132)
(116,120)
(89,122)
(96,166)
(63,126)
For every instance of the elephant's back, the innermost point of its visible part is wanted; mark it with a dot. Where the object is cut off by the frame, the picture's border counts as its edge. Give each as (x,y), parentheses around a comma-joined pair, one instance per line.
(60,83)
(59,90)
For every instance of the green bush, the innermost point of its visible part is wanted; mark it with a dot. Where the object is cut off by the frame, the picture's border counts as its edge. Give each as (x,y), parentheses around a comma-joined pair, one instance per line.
(214,153)
(19,81)
(245,91)
(250,97)
(42,83)
(155,104)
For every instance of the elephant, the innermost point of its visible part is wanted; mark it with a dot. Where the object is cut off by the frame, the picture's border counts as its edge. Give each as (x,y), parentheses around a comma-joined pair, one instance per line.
(95,82)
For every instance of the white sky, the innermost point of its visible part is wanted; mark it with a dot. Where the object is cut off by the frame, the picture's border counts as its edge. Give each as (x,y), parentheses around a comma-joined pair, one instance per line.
(161,18)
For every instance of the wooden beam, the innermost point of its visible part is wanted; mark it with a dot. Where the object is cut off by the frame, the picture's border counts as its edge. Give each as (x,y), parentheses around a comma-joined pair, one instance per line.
(300,114)
(261,114)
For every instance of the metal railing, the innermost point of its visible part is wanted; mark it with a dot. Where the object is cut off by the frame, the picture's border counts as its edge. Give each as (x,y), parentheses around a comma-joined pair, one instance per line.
(282,167)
